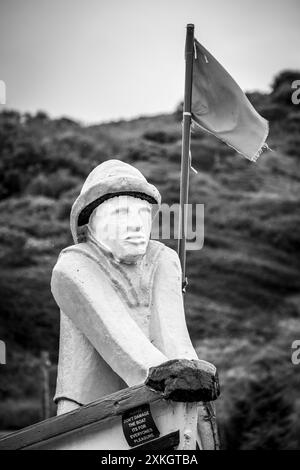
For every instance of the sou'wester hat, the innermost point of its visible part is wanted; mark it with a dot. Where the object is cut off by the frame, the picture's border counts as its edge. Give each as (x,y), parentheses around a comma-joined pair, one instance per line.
(109,179)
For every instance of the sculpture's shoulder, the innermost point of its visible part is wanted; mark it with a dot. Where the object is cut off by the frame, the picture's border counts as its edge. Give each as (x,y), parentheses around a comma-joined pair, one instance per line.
(167,257)
(73,257)
(76,269)
(81,249)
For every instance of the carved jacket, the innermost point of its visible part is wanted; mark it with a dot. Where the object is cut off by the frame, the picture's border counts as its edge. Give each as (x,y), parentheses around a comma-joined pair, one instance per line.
(117,320)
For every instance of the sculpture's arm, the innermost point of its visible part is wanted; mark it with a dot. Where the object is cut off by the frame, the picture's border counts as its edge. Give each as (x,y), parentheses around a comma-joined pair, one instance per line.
(99,313)
(174,336)
(184,377)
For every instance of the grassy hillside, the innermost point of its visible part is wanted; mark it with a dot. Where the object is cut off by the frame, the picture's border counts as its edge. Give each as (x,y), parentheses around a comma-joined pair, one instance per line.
(243,300)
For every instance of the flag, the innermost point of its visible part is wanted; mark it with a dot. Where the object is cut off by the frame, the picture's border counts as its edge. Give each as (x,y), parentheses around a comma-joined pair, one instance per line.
(220,107)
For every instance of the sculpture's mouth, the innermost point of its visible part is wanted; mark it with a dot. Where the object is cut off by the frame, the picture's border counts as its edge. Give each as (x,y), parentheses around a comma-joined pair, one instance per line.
(135,239)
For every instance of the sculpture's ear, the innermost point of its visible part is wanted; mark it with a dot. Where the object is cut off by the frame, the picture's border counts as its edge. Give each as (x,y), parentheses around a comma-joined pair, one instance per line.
(82,234)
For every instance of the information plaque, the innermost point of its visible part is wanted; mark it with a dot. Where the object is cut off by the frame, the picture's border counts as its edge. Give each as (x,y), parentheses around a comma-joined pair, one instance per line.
(139,426)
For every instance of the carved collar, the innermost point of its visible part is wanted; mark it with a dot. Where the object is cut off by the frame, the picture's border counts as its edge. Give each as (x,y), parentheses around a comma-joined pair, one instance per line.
(133,282)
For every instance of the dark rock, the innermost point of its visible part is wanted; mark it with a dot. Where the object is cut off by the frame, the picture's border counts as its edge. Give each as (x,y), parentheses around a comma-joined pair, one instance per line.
(185,380)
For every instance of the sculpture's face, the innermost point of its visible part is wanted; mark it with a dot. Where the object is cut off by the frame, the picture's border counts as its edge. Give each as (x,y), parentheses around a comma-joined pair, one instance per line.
(123,225)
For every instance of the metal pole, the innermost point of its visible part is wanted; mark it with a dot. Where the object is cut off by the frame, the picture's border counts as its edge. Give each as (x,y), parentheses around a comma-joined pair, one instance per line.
(45,366)
(185,152)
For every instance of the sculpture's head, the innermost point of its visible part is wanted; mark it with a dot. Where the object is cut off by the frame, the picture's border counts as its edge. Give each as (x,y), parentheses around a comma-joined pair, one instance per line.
(122,224)
(117,204)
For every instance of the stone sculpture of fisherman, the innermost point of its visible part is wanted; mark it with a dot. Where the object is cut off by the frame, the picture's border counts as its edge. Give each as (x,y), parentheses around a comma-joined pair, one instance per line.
(119,293)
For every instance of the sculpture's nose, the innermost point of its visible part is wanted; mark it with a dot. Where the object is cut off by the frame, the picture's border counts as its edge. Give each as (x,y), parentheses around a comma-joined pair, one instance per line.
(135,222)
(134,225)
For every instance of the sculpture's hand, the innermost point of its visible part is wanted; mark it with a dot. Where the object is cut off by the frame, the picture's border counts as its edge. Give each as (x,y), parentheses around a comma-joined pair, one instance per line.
(185,380)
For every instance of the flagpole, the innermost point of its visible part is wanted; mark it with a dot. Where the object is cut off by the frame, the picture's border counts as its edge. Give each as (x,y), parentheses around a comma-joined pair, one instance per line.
(185,151)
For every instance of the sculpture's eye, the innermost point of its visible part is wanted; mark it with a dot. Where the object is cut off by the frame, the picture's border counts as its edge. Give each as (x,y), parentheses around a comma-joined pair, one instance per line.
(120,211)
(145,210)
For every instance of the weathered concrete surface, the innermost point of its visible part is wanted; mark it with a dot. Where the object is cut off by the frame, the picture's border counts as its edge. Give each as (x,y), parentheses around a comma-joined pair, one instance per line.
(122,311)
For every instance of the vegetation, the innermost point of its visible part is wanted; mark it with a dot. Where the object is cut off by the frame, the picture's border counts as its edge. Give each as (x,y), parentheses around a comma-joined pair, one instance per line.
(243,300)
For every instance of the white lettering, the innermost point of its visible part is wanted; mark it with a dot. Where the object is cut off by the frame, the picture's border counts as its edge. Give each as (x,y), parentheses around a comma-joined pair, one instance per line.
(296,93)
(296,354)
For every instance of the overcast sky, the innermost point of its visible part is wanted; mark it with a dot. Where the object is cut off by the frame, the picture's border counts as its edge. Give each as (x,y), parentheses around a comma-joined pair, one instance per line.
(98,60)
